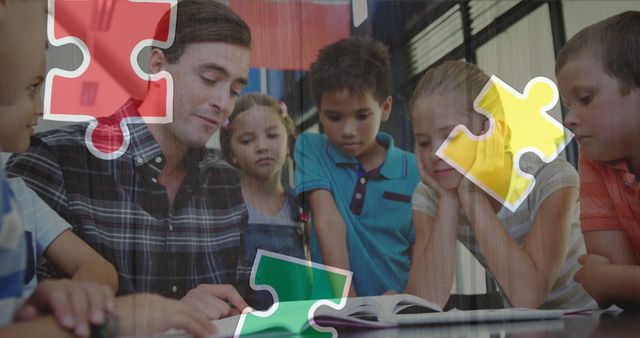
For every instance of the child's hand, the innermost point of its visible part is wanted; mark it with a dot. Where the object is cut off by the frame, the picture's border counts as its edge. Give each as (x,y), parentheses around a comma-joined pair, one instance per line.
(215,301)
(592,259)
(146,314)
(75,305)
(490,163)
(589,276)
(431,183)
(466,187)
(390,293)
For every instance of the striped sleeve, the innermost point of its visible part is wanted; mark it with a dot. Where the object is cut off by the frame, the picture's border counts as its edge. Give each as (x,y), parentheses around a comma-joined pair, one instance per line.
(40,170)
(12,254)
(37,216)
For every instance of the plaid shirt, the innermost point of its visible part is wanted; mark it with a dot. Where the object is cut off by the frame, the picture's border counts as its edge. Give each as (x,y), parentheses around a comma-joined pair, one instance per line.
(118,207)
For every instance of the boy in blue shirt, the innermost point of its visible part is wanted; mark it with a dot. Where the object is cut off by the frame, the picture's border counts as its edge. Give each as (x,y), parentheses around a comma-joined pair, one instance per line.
(356,182)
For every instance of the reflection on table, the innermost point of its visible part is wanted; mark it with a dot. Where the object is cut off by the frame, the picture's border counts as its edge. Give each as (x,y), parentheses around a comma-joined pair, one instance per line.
(595,325)
(599,324)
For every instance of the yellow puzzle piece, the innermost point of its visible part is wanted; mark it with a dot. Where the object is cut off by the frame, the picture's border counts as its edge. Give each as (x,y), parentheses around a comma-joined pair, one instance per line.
(518,123)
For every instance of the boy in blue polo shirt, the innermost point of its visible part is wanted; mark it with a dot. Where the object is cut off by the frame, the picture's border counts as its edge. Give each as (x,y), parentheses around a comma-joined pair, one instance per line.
(356,182)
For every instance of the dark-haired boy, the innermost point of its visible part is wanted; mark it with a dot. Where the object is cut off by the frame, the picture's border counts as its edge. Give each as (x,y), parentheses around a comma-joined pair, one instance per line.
(599,77)
(356,182)
(167,214)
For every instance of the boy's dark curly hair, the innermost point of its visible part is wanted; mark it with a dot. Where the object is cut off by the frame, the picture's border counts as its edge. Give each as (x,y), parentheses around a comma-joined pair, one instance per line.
(358,64)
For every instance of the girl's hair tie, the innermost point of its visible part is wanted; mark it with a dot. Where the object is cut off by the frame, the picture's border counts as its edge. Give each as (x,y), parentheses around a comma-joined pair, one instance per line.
(283,107)
(226,125)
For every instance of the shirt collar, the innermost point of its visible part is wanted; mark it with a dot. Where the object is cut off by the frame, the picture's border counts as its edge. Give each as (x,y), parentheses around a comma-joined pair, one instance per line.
(622,166)
(393,167)
(143,147)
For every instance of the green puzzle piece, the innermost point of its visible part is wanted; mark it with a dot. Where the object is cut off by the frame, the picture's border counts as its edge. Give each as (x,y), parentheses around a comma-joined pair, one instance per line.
(298,288)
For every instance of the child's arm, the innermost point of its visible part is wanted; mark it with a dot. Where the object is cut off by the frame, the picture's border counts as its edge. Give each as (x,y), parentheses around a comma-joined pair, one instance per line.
(610,272)
(525,273)
(74,305)
(79,261)
(41,327)
(135,315)
(434,253)
(61,246)
(331,231)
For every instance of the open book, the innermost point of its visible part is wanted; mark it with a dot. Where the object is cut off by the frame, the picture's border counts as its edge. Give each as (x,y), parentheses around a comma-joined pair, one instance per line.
(375,311)
(381,312)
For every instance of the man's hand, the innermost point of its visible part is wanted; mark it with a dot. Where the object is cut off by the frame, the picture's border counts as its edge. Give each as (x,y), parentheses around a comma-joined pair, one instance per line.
(215,301)
(146,314)
(75,305)
(589,276)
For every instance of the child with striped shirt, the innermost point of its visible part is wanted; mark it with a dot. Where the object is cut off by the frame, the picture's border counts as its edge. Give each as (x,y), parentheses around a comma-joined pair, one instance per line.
(56,308)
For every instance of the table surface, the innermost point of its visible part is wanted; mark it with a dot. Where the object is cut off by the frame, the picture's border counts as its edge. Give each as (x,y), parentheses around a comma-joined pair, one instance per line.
(594,325)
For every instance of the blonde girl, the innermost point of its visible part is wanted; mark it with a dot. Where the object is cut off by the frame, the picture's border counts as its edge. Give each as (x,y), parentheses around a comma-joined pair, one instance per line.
(531,252)
(256,139)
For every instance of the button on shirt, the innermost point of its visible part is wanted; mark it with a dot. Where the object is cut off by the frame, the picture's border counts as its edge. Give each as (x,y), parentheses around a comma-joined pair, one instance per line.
(375,206)
(118,208)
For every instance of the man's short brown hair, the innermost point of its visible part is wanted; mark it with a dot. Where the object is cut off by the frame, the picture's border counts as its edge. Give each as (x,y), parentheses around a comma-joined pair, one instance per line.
(204,21)
(615,41)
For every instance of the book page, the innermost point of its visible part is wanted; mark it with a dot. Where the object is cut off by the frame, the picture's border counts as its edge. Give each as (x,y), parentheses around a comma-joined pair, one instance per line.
(457,316)
(375,307)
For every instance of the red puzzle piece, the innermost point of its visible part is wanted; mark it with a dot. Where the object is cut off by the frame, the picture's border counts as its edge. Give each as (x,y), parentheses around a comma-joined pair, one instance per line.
(110,35)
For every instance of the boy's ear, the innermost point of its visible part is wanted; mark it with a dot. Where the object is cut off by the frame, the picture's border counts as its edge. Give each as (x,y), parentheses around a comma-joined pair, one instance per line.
(157,60)
(386,108)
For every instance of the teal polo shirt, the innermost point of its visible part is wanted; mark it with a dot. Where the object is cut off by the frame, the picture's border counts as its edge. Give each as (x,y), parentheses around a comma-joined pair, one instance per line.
(375,206)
